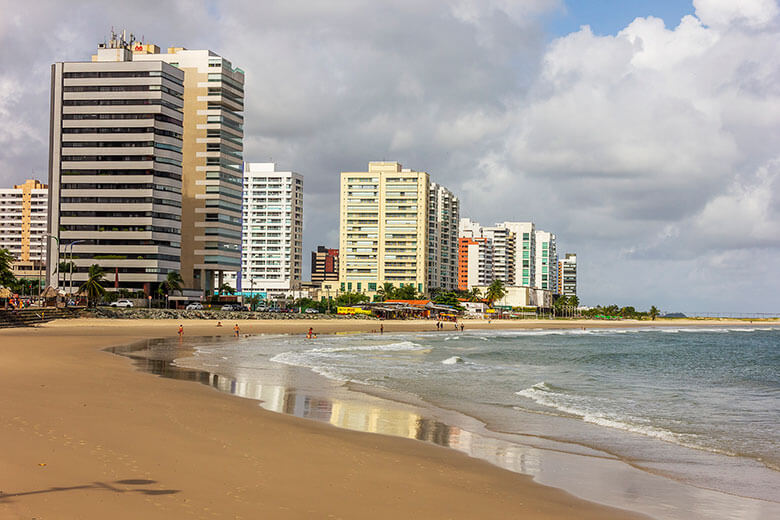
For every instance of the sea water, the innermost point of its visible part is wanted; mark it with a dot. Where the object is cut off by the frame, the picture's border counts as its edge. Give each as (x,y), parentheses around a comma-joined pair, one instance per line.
(683,406)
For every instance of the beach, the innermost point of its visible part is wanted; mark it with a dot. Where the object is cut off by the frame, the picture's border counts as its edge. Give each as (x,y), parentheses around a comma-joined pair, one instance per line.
(88,436)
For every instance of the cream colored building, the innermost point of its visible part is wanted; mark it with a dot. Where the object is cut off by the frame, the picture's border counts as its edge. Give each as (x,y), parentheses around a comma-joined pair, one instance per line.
(516,296)
(212,174)
(383,230)
(443,217)
(23,210)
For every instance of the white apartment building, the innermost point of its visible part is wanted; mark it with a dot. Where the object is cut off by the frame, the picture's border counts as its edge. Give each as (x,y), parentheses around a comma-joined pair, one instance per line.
(503,243)
(475,262)
(115,179)
(272,241)
(546,260)
(525,248)
(23,211)
(443,216)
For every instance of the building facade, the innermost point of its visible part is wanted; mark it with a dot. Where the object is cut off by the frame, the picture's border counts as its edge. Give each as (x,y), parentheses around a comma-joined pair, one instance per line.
(475,262)
(383,228)
(115,187)
(212,162)
(503,243)
(23,211)
(443,217)
(272,243)
(546,260)
(525,252)
(324,265)
(567,275)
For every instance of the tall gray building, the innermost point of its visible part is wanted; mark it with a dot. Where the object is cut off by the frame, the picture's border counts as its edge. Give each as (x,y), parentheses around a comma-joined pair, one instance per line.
(115,167)
(443,217)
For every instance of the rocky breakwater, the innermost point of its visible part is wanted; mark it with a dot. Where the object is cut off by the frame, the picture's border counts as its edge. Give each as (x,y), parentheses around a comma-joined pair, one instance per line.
(175,314)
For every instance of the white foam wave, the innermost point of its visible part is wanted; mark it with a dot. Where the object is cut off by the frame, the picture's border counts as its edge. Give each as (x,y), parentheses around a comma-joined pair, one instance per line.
(543,394)
(401,346)
(453,360)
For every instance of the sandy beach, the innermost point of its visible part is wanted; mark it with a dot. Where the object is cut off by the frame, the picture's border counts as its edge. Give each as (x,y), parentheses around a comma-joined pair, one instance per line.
(84,435)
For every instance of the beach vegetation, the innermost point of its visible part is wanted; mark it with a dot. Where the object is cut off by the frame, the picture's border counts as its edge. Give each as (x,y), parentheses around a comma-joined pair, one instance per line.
(495,291)
(406,292)
(448,298)
(173,282)
(93,287)
(654,312)
(225,288)
(7,277)
(386,291)
(474,295)
(349,298)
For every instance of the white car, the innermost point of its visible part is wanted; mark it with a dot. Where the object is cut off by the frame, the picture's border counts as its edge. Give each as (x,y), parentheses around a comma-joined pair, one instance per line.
(122,303)
(195,307)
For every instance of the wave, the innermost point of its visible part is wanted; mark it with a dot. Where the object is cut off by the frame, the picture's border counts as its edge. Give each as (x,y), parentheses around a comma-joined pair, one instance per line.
(400,346)
(453,360)
(553,397)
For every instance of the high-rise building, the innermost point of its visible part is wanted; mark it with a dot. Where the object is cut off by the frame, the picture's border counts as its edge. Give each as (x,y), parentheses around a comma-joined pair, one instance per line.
(443,216)
(525,248)
(503,244)
(324,265)
(212,162)
(546,260)
(23,211)
(383,230)
(115,156)
(475,262)
(567,275)
(272,243)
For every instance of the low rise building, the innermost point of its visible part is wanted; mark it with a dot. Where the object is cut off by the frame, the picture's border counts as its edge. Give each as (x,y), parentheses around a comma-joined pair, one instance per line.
(324,265)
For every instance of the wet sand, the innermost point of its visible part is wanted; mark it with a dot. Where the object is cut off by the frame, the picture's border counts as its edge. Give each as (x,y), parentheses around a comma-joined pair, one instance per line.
(84,435)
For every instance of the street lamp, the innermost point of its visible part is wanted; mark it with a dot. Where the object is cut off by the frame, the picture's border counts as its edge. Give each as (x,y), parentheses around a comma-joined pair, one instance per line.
(70,265)
(40,262)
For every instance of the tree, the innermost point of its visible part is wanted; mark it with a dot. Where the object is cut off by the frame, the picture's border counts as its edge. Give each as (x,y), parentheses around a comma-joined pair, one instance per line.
(6,274)
(226,289)
(93,287)
(654,312)
(173,282)
(574,301)
(495,291)
(406,292)
(66,268)
(346,299)
(386,291)
(448,298)
(475,295)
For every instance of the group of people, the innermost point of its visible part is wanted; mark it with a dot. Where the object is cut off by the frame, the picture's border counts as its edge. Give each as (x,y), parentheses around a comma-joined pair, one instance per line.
(440,326)
(236,329)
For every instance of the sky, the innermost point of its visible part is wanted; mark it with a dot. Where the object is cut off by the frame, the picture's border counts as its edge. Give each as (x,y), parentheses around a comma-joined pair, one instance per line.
(644,134)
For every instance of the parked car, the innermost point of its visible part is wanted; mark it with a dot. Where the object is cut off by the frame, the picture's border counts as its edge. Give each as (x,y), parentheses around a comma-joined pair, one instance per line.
(234,307)
(122,303)
(311,310)
(195,306)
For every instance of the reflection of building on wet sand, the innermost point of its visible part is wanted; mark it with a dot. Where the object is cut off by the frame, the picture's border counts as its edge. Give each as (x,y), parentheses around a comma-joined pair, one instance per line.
(366,417)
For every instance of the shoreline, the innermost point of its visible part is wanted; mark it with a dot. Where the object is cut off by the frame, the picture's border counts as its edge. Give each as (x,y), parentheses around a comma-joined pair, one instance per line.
(497,447)
(94,439)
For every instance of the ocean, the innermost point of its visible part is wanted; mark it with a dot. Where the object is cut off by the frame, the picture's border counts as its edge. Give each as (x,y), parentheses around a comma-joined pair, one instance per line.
(672,422)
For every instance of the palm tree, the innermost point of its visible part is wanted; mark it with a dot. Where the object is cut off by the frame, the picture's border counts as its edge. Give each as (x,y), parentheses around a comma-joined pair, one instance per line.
(66,268)
(574,301)
(495,291)
(225,288)
(475,295)
(654,312)
(386,291)
(7,277)
(173,282)
(93,287)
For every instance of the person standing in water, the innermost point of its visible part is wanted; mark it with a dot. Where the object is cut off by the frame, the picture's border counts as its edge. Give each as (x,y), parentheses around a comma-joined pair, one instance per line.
(181,330)
(237,330)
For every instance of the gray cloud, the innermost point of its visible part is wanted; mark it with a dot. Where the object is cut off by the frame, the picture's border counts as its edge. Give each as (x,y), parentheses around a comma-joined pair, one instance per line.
(651,152)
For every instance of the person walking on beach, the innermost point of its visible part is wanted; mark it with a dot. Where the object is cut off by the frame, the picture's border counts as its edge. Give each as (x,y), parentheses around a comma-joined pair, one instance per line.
(461,326)
(237,330)
(381,328)
(181,330)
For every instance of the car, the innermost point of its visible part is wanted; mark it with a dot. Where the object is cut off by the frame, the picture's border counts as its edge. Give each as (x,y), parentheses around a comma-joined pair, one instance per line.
(122,303)
(234,307)
(275,309)
(311,310)
(195,306)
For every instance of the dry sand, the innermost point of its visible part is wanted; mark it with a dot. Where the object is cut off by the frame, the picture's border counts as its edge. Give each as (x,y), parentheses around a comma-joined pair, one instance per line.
(83,435)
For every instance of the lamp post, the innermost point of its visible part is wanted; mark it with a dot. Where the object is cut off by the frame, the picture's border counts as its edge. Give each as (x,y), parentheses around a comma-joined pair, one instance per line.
(70,265)
(40,263)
